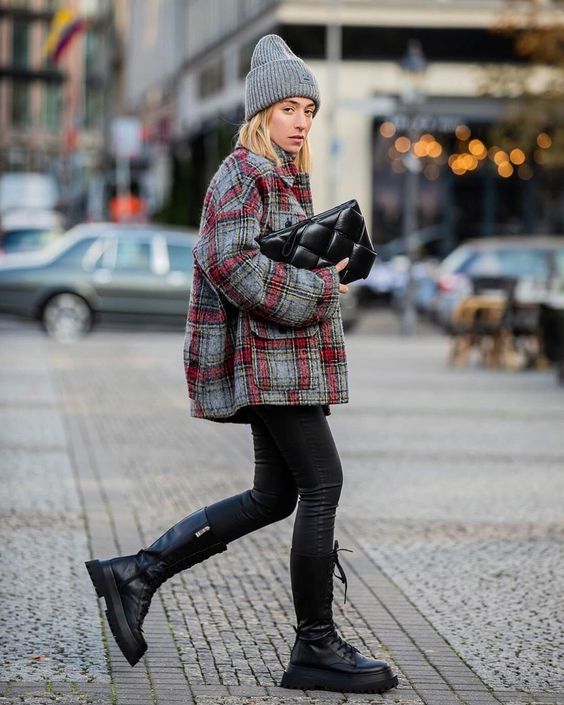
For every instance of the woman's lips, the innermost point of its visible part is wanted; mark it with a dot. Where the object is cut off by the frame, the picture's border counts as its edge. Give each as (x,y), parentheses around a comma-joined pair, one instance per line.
(298,138)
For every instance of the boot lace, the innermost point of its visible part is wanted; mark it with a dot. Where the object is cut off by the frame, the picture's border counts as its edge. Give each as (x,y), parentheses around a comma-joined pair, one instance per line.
(342,646)
(341,575)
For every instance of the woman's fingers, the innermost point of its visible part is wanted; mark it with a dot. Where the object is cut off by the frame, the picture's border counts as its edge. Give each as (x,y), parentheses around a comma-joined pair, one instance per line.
(343,288)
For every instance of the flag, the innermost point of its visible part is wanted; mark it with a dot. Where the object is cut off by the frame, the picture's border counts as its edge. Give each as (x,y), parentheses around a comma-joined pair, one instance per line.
(64,27)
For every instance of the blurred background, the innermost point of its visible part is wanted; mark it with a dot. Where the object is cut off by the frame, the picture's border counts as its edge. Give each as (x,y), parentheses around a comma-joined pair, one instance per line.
(444,118)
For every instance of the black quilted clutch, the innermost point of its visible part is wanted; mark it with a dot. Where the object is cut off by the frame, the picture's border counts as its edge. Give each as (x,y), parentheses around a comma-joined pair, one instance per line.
(324,240)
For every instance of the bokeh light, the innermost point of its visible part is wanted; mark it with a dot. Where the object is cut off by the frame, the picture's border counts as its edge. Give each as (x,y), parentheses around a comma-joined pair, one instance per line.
(462,132)
(517,156)
(387,129)
(544,141)
(525,172)
(402,144)
(505,169)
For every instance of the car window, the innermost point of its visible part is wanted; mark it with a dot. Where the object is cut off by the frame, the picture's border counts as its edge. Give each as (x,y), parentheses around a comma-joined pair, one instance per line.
(518,262)
(133,256)
(180,258)
(74,255)
(457,260)
(559,262)
(23,239)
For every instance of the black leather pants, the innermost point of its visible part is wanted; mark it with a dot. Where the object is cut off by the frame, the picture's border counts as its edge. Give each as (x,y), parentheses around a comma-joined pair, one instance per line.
(295,456)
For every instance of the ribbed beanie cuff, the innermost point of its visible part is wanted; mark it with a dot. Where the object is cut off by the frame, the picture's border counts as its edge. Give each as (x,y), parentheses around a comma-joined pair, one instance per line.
(277,73)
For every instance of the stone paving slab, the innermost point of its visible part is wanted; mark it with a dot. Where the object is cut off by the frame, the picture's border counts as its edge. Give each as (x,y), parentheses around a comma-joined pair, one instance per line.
(131,462)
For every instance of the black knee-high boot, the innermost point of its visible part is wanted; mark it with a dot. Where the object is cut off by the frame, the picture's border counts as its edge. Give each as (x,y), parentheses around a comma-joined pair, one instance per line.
(129,582)
(320,658)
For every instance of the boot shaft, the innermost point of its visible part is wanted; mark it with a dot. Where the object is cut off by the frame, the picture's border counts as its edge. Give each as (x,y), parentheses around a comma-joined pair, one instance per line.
(312,591)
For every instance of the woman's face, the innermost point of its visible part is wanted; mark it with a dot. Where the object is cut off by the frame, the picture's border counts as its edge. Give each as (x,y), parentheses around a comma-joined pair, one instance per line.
(290,122)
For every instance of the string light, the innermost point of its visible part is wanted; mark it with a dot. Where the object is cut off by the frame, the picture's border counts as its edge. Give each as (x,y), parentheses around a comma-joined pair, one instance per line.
(478,149)
(402,144)
(462,132)
(432,172)
(420,149)
(500,157)
(387,129)
(517,156)
(525,172)
(543,140)
(540,156)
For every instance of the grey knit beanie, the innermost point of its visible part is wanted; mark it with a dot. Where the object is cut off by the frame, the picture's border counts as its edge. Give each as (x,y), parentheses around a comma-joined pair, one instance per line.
(277,73)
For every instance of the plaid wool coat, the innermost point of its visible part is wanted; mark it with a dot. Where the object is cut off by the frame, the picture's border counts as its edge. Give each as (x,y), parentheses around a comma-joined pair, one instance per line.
(258,331)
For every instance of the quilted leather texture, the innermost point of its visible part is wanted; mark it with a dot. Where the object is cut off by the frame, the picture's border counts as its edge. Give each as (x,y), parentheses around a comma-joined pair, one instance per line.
(324,240)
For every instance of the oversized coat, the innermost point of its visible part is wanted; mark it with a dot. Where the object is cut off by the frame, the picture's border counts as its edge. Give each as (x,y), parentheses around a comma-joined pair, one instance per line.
(258,331)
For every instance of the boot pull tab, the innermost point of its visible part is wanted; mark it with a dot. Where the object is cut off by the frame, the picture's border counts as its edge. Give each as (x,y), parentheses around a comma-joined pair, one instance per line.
(341,576)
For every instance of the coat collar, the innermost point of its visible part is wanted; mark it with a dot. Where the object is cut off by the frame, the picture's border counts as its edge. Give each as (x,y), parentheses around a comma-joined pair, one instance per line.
(287,171)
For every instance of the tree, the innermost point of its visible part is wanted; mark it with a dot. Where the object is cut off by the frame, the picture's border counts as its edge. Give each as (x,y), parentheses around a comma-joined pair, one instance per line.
(534,88)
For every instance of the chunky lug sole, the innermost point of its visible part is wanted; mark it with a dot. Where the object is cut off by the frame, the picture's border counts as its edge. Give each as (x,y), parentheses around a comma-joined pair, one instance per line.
(104,582)
(302,678)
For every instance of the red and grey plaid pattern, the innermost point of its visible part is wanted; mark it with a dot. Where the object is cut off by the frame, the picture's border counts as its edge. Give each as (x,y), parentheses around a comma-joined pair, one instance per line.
(258,331)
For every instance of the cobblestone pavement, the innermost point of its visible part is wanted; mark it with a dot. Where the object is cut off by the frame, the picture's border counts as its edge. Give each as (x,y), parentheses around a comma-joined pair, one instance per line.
(452,504)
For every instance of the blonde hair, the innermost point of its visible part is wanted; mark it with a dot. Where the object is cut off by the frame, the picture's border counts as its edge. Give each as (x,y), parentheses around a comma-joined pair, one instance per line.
(255,135)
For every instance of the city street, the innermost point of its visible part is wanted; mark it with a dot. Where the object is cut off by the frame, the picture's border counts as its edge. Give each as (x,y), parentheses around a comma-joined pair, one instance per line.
(452,506)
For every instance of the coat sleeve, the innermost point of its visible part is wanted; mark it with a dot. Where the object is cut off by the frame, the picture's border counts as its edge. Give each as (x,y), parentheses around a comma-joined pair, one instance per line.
(232,261)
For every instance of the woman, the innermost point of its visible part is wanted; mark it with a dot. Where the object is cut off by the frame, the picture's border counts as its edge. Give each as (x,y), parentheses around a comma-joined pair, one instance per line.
(264,346)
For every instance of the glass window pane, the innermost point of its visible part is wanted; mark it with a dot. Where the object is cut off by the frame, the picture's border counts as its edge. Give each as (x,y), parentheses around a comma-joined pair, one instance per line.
(20,43)
(524,263)
(559,260)
(94,107)
(73,256)
(510,263)
(133,256)
(180,258)
(20,104)
(52,106)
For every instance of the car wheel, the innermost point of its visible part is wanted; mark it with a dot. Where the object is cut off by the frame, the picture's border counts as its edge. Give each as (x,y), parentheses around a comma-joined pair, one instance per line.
(67,317)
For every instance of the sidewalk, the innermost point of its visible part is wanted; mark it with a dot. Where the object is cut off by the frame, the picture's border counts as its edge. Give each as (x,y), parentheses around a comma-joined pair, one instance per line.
(452,504)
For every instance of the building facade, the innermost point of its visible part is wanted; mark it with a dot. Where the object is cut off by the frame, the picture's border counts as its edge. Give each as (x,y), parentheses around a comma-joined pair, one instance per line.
(53,116)
(425,164)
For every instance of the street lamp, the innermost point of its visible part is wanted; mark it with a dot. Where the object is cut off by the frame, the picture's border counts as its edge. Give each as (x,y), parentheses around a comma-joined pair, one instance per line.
(413,66)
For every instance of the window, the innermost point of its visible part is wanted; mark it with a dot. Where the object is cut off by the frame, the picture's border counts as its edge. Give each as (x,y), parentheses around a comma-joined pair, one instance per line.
(94,107)
(559,262)
(20,104)
(92,50)
(211,79)
(510,263)
(180,258)
(75,254)
(133,256)
(51,115)
(20,43)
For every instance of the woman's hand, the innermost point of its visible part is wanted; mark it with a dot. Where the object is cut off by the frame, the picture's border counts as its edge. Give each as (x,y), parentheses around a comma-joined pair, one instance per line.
(343,288)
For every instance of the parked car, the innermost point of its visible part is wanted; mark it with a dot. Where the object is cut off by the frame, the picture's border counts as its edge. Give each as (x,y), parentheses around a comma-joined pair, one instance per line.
(109,272)
(532,262)
(25,229)
(101,271)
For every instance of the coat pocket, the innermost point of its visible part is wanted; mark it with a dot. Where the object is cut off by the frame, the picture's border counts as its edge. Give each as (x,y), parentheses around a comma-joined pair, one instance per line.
(284,358)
